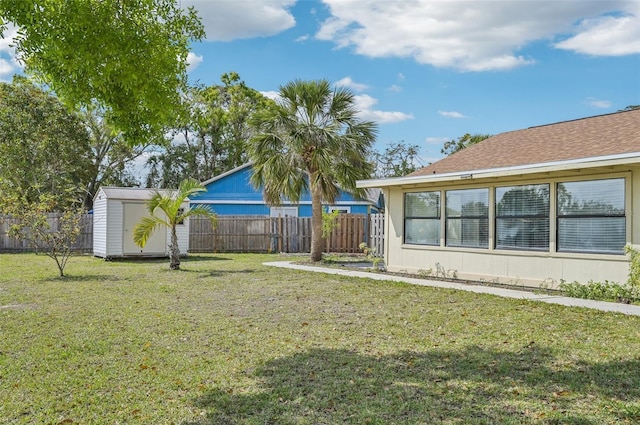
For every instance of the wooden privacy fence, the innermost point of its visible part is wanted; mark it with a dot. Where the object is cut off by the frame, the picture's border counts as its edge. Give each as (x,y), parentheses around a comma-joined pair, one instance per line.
(376,234)
(279,234)
(84,243)
(243,234)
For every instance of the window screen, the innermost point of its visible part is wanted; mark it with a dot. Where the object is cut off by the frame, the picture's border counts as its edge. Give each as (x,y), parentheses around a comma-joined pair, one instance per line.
(591,216)
(467,218)
(522,217)
(422,218)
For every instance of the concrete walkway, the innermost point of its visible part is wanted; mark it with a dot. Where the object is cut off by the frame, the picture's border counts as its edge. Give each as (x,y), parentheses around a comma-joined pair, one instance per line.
(629,309)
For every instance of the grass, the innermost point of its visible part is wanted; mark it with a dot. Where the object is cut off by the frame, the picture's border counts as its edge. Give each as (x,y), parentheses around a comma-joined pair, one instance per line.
(227,340)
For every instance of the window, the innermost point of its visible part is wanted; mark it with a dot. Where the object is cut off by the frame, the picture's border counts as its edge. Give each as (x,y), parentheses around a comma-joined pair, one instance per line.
(591,216)
(522,217)
(422,218)
(283,212)
(467,218)
(180,212)
(341,210)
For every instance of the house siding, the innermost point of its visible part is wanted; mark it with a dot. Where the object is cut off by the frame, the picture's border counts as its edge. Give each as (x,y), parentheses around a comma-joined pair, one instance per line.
(100,225)
(522,267)
(239,209)
(233,194)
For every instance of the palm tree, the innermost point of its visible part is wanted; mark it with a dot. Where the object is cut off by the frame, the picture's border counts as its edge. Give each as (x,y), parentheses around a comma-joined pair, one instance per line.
(169,202)
(311,140)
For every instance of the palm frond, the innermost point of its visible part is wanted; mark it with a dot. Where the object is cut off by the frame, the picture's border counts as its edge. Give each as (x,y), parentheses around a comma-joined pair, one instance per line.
(143,230)
(200,210)
(312,141)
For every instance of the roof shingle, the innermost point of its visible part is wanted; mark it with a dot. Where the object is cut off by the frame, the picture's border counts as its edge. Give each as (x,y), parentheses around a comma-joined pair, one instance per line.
(602,135)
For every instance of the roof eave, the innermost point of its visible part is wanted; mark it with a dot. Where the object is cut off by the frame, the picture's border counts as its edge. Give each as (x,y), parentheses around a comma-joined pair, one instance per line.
(601,161)
(226,173)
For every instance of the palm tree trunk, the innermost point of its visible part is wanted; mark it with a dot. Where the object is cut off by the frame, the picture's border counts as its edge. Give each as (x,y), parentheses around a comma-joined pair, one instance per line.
(316,224)
(174,250)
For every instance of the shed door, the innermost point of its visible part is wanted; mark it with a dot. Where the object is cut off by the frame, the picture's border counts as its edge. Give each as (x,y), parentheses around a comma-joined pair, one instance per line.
(133,213)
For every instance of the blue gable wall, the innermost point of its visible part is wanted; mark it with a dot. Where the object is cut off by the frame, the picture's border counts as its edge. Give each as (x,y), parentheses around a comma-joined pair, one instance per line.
(232,193)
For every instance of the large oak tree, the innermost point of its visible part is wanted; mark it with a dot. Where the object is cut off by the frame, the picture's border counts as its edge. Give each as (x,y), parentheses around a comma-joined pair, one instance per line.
(45,149)
(128,56)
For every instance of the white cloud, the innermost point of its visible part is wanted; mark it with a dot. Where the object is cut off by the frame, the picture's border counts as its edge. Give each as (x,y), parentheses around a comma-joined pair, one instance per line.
(226,20)
(138,167)
(436,140)
(451,114)
(9,65)
(8,39)
(193,61)
(480,35)
(395,88)
(273,95)
(6,70)
(302,38)
(365,103)
(348,82)
(601,104)
(606,36)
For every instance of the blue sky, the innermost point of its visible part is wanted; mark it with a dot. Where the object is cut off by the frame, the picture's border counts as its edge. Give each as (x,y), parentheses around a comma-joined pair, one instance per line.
(429,71)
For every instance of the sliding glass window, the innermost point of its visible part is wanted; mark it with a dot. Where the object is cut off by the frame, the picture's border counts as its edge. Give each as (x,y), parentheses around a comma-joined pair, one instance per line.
(522,217)
(467,218)
(591,216)
(422,218)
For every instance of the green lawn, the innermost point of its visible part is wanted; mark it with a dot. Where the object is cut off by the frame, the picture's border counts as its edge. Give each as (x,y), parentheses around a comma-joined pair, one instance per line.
(229,341)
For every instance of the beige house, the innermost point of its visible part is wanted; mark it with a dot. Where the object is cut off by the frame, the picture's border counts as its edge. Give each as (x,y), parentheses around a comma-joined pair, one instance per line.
(533,207)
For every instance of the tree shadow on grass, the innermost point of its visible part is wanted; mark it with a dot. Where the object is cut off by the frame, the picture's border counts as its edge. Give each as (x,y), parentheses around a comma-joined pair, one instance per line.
(216,273)
(473,385)
(83,278)
(191,258)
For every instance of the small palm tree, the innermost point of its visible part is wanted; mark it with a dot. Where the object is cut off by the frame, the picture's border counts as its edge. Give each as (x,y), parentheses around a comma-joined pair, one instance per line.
(170,204)
(311,140)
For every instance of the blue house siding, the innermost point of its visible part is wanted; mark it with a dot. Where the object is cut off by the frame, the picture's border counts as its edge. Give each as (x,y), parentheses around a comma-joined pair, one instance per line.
(304,210)
(232,193)
(239,209)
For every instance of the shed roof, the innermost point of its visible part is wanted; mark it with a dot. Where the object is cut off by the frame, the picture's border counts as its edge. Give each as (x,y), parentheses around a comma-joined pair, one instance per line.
(130,193)
(598,136)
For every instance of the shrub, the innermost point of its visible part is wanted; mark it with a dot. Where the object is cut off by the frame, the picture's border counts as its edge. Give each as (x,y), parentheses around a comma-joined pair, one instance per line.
(370,254)
(634,265)
(610,291)
(604,291)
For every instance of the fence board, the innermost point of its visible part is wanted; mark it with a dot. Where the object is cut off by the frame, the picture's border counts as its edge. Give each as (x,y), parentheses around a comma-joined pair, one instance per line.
(243,234)
(84,243)
(376,234)
(274,234)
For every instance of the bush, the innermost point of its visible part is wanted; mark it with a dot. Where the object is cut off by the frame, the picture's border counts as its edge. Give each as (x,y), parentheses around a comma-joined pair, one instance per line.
(628,292)
(604,291)
(634,265)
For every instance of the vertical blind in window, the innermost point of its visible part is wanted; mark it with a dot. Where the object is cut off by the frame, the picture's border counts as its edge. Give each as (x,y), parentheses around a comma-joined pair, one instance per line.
(467,218)
(422,218)
(522,217)
(591,216)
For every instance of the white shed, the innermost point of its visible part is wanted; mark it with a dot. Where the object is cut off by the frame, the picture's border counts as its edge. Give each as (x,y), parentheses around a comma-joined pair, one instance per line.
(116,211)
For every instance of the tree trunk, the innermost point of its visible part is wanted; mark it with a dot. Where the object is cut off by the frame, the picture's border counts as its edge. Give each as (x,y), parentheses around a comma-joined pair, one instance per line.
(316,224)
(174,250)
